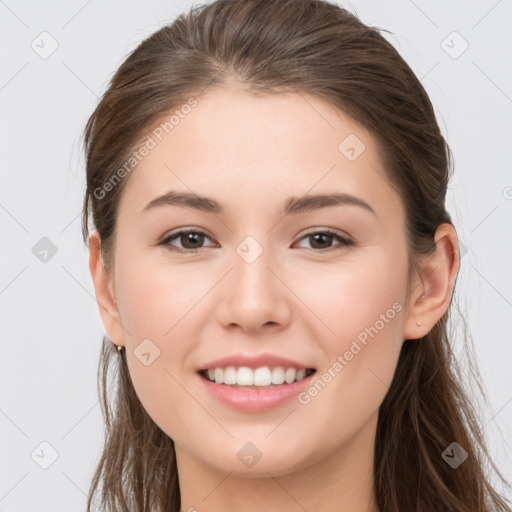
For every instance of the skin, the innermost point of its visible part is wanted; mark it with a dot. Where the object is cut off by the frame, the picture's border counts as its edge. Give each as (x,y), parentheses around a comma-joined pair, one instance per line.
(296,299)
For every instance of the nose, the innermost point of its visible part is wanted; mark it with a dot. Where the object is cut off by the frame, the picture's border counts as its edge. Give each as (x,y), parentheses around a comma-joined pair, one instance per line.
(255,295)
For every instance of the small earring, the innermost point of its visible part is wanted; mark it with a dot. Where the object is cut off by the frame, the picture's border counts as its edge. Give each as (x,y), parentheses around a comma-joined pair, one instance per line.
(119,347)
(418,323)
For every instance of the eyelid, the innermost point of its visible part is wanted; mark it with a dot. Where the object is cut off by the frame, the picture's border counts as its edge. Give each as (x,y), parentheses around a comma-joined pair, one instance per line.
(186,229)
(330,231)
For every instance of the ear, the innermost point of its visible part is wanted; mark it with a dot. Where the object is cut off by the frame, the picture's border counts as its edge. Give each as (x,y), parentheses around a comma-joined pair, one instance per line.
(104,289)
(432,292)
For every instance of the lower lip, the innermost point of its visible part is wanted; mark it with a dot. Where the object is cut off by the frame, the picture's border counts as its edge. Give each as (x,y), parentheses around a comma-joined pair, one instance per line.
(253,399)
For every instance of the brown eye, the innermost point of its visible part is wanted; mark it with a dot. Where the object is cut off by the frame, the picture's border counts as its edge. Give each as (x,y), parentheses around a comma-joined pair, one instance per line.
(193,240)
(190,240)
(322,240)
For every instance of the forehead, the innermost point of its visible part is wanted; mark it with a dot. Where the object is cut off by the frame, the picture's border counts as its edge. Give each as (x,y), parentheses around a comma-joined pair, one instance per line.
(234,145)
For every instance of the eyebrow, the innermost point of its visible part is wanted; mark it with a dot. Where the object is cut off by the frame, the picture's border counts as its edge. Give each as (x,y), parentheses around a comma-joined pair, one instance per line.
(293,205)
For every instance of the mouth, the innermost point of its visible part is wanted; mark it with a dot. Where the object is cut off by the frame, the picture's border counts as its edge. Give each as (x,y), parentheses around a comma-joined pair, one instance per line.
(255,390)
(265,377)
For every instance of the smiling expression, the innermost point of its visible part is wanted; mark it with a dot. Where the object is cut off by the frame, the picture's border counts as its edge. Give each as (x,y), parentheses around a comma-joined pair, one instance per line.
(266,269)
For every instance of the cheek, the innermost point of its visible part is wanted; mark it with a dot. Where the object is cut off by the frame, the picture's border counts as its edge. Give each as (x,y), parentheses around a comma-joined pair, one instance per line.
(156,370)
(356,299)
(363,308)
(158,296)
(162,313)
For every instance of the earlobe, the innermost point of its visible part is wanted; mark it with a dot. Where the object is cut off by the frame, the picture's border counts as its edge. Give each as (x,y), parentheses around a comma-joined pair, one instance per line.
(430,299)
(103,287)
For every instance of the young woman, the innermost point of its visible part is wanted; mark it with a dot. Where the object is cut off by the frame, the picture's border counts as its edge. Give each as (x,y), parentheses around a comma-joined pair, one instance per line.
(275,266)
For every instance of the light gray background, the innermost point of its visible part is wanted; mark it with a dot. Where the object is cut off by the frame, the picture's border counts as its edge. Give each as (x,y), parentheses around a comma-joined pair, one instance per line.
(50,325)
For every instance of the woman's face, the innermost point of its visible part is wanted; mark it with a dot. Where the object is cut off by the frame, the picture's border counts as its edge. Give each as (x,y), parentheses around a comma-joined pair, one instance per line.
(260,283)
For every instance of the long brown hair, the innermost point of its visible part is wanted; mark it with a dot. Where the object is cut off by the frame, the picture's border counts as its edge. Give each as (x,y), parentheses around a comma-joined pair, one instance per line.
(318,48)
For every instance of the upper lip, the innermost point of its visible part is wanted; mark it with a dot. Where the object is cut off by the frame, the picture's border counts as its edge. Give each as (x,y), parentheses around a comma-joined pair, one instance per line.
(254,362)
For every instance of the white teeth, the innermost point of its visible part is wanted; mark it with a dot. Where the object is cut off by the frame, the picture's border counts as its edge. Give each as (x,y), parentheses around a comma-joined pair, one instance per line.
(263,376)
(289,375)
(230,375)
(300,374)
(244,376)
(278,375)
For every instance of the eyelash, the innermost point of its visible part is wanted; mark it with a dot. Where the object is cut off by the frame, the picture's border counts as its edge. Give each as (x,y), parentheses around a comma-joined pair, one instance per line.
(344,242)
